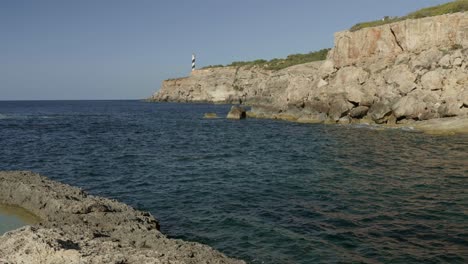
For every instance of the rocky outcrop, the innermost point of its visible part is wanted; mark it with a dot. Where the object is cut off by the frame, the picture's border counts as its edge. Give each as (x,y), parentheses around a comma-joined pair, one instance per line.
(236,112)
(79,228)
(411,70)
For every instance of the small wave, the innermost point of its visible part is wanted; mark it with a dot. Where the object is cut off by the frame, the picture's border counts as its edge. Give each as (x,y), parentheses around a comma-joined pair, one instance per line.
(2,116)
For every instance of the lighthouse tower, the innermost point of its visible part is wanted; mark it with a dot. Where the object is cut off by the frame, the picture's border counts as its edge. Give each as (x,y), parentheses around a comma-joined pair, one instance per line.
(193,61)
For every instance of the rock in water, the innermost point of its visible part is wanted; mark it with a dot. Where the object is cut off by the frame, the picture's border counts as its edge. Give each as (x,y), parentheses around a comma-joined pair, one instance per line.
(236,112)
(210,115)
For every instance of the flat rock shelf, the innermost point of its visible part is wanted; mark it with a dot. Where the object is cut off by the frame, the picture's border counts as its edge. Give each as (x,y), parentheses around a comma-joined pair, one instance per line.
(79,228)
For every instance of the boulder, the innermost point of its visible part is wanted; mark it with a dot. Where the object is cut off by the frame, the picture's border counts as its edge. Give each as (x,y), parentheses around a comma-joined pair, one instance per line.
(356,94)
(449,109)
(326,69)
(359,112)
(402,58)
(432,80)
(464,98)
(402,77)
(319,106)
(236,112)
(369,90)
(428,114)
(445,62)
(426,59)
(409,107)
(457,62)
(339,107)
(344,120)
(322,83)
(379,112)
(351,75)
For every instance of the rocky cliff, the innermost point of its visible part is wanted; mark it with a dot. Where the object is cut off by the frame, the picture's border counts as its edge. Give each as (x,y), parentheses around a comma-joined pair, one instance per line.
(396,73)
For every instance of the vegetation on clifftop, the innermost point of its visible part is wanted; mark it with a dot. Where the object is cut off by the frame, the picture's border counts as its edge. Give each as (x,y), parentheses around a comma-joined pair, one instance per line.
(278,64)
(294,59)
(448,8)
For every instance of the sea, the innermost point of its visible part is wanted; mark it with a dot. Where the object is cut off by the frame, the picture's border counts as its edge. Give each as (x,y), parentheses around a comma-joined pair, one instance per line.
(265,191)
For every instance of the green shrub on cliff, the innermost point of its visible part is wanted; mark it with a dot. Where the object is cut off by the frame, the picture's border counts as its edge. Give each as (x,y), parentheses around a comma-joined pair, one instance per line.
(448,8)
(294,59)
(213,66)
(278,64)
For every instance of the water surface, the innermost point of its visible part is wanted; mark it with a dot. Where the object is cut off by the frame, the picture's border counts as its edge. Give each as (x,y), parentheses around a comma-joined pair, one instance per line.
(13,217)
(262,190)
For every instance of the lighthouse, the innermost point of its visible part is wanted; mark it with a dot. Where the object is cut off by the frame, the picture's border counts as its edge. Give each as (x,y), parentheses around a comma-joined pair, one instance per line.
(193,61)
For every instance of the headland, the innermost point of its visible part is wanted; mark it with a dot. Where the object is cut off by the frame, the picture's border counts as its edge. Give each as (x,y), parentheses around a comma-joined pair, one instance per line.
(404,74)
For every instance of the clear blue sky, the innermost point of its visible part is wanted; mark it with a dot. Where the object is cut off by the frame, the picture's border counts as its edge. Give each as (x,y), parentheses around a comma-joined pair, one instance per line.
(115,49)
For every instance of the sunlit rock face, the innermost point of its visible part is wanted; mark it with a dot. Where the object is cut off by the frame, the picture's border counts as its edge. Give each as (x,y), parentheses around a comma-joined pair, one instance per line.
(416,69)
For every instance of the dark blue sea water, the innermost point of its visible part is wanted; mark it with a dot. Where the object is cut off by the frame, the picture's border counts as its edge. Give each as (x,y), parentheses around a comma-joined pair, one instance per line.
(261,190)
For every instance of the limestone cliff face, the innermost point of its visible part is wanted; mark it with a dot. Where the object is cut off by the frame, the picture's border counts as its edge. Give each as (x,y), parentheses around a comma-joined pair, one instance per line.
(400,72)
(388,41)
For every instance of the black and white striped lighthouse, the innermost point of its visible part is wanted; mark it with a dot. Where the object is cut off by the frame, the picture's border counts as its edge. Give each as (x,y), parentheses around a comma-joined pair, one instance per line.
(193,61)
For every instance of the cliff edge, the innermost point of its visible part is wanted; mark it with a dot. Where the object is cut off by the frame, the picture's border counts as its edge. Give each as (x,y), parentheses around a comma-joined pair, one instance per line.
(397,73)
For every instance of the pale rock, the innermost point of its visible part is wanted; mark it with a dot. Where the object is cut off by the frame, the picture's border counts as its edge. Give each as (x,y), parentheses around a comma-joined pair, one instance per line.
(428,114)
(402,58)
(326,69)
(388,41)
(379,111)
(450,108)
(236,113)
(445,62)
(402,77)
(409,107)
(378,66)
(318,106)
(312,118)
(457,62)
(354,93)
(359,112)
(391,120)
(322,83)
(344,120)
(350,75)
(456,55)
(432,80)
(339,107)
(426,59)
(464,97)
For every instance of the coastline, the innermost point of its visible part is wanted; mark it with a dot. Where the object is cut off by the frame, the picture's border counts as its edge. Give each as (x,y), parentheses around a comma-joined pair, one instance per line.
(437,126)
(403,74)
(76,227)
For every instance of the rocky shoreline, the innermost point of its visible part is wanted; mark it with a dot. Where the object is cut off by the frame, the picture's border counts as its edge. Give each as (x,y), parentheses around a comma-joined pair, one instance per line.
(76,227)
(408,74)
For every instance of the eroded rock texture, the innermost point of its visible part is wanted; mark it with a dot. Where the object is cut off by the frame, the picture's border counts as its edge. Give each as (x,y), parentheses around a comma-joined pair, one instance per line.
(406,71)
(79,228)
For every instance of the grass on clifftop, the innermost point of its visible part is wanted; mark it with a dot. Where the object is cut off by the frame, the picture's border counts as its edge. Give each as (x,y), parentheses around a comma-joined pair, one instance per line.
(278,64)
(448,8)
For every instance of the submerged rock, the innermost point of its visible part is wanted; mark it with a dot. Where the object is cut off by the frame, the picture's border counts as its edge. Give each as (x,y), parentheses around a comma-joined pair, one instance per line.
(210,115)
